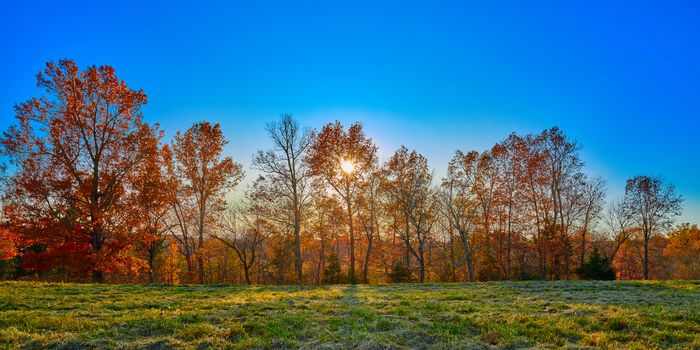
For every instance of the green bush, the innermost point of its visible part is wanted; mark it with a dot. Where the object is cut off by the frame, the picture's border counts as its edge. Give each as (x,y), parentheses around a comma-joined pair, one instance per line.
(596,267)
(400,273)
(332,274)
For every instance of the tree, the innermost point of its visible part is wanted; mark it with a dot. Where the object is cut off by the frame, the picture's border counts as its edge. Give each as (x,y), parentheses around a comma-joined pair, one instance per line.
(459,204)
(684,251)
(368,207)
(510,192)
(341,158)
(153,192)
(74,151)
(652,204)
(245,229)
(553,178)
(593,196)
(285,164)
(205,175)
(328,216)
(597,267)
(619,222)
(409,185)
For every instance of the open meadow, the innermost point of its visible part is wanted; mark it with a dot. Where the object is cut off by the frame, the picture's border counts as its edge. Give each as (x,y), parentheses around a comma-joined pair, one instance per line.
(512,315)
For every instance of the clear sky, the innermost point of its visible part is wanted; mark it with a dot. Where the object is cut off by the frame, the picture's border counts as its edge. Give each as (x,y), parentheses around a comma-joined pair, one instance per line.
(622,78)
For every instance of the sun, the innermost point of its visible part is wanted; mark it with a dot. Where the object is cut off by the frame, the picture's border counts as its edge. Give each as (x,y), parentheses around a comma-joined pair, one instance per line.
(347,166)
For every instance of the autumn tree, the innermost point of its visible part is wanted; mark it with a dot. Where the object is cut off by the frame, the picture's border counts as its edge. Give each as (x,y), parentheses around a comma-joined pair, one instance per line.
(153,191)
(368,214)
(563,170)
(74,151)
(205,176)
(341,158)
(326,218)
(409,183)
(510,190)
(683,250)
(460,205)
(652,203)
(285,164)
(552,177)
(485,186)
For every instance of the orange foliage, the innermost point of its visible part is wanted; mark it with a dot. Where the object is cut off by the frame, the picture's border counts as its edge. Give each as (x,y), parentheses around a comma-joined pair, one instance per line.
(69,192)
(683,251)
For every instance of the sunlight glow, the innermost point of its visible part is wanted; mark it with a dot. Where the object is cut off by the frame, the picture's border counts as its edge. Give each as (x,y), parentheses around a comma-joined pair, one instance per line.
(347,166)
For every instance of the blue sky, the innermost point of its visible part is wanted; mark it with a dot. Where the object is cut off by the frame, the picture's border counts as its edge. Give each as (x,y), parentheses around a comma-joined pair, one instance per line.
(622,78)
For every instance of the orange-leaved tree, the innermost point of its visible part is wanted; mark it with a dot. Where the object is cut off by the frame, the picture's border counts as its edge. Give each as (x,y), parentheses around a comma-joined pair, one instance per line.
(72,154)
(205,175)
(683,251)
(154,189)
(341,159)
(409,187)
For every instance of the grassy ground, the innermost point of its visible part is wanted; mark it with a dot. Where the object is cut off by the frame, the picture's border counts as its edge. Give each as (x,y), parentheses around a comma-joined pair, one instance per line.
(456,316)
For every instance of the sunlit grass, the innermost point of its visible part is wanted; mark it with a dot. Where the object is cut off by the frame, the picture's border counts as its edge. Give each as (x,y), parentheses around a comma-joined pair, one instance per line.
(638,315)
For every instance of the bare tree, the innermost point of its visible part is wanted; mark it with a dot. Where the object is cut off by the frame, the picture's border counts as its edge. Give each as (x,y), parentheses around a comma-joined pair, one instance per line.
(620,224)
(244,230)
(284,164)
(652,203)
(593,200)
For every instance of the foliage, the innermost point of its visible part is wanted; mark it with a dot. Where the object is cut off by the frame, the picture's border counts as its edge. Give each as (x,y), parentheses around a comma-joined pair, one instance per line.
(330,148)
(683,251)
(204,176)
(74,151)
(94,192)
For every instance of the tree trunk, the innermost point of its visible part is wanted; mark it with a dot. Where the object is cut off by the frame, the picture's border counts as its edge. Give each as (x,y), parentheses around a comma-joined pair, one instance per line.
(421,261)
(151,261)
(583,248)
(321,255)
(510,234)
(297,248)
(97,274)
(365,267)
(470,267)
(467,253)
(453,270)
(190,264)
(646,256)
(351,272)
(246,272)
(200,264)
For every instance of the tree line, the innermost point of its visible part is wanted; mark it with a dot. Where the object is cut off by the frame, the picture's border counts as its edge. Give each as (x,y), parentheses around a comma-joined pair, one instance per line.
(90,191)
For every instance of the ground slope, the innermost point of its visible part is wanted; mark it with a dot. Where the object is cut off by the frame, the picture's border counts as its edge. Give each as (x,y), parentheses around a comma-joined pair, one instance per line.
(455,316)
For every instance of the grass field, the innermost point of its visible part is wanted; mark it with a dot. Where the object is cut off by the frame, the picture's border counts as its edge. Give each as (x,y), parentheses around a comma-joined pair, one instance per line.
(456,316)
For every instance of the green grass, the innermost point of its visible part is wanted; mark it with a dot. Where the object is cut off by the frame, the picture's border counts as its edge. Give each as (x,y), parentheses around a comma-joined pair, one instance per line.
(578,314)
